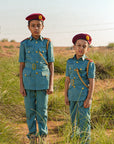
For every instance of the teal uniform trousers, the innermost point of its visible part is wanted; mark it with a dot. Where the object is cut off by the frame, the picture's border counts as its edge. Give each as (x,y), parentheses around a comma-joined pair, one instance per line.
(36,104)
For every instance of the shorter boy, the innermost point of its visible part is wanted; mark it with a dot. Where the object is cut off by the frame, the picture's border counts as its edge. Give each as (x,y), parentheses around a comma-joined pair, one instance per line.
(79,86)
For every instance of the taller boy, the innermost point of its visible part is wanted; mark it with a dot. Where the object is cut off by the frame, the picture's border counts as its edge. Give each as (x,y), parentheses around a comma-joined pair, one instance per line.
(36,75)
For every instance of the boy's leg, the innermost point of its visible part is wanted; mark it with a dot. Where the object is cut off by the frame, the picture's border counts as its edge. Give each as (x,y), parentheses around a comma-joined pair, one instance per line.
(73,114)
(84,123)
(41,111)
(30,107)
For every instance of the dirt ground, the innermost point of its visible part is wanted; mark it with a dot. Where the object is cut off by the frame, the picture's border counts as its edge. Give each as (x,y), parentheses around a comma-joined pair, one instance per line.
(52,138)
(10,49)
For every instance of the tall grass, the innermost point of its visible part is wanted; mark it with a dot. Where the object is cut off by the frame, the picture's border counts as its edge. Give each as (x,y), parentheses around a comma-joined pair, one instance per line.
(12,105)
(11,102)
(104,63)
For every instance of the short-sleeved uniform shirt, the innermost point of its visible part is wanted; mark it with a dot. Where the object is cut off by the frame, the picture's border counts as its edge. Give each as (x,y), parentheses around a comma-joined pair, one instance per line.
(77,90)
(36,72)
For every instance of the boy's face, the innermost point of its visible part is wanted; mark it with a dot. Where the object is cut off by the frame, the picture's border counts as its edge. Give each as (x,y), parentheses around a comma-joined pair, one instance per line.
(35,28)
(81,47)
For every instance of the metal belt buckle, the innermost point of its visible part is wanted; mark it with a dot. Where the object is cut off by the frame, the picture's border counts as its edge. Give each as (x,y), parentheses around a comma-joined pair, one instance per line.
(34,66)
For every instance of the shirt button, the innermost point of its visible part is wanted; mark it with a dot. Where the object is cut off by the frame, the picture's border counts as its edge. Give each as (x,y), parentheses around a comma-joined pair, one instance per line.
(36,72)
(80,69)
(82,88)
(28,51)
(74,78)
(25,74)
(43,51)
(36,61)
(36,51)
(76,61)
(36,42)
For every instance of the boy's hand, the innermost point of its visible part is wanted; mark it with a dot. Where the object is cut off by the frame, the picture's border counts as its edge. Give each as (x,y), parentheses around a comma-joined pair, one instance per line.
(66,100)
(50,91)
(22,91)
(87,103)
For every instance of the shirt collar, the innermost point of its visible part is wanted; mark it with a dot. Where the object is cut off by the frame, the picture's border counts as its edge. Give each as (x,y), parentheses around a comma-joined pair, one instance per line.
(40,38)
(83,57)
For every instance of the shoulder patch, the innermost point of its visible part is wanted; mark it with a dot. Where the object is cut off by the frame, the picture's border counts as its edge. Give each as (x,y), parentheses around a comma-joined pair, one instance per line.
(89,59)
(25,39)
(47,39)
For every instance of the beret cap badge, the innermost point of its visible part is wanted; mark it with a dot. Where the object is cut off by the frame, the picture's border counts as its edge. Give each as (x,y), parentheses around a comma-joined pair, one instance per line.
(39,17)
(87,37)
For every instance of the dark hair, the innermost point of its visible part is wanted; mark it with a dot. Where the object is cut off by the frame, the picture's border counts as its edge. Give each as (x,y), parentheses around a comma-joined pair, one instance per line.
(35,19)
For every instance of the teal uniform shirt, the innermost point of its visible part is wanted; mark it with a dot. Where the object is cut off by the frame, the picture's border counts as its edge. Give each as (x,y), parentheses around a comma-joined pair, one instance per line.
(77,90)
(36,73)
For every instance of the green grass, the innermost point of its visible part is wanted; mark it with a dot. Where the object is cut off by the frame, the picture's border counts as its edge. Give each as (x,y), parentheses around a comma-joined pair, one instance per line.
(8,133)
(103,109)
(104,64)
(12,104)
(60,64)
(59,84)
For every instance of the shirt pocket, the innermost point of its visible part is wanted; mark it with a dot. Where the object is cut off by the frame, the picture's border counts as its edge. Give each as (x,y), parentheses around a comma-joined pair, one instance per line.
(71,69)
(44,78)
(43,54)
(83,72)
(43,50)
(29,52)
(26,73)
(45,74)
(26,77)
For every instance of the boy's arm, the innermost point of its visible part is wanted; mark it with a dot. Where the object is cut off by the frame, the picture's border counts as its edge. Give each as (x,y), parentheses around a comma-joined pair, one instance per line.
(67,82)
(22,90)
(88,100)
(51,69)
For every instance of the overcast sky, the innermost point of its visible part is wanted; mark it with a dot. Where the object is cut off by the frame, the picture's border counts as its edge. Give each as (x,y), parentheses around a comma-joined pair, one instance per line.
(64,19)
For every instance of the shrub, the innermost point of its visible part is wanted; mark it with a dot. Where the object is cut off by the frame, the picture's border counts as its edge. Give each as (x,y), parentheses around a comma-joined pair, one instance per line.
(12,41)
(11,46)
(6,46)
(103,72)
(60,65)
(110,45)
(4,40)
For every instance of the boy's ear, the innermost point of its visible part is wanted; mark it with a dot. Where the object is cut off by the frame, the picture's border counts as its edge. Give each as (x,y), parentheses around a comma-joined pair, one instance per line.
(88,48)
(74,47)
(42,27)
(29,27)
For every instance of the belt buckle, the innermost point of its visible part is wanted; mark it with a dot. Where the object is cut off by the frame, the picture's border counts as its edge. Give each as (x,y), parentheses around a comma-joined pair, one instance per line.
(34,66)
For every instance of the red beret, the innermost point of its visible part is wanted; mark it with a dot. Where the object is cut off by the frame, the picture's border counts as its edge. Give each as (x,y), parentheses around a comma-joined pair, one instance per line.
(35,16)
(82,36)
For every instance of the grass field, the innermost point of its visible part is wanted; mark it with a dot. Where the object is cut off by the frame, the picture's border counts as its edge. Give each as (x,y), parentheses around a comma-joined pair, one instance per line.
(13,128)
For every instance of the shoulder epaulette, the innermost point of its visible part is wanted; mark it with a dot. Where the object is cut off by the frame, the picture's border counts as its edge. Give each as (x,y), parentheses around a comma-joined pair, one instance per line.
(70,60)
(89,59)
(25,39)
(47,39)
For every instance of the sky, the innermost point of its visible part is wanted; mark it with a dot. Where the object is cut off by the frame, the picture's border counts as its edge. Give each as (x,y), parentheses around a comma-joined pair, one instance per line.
(64,19)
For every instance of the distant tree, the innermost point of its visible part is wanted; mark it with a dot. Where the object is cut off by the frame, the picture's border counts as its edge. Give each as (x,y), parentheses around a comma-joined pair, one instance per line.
(12,41)
(110,45)
(4,40)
